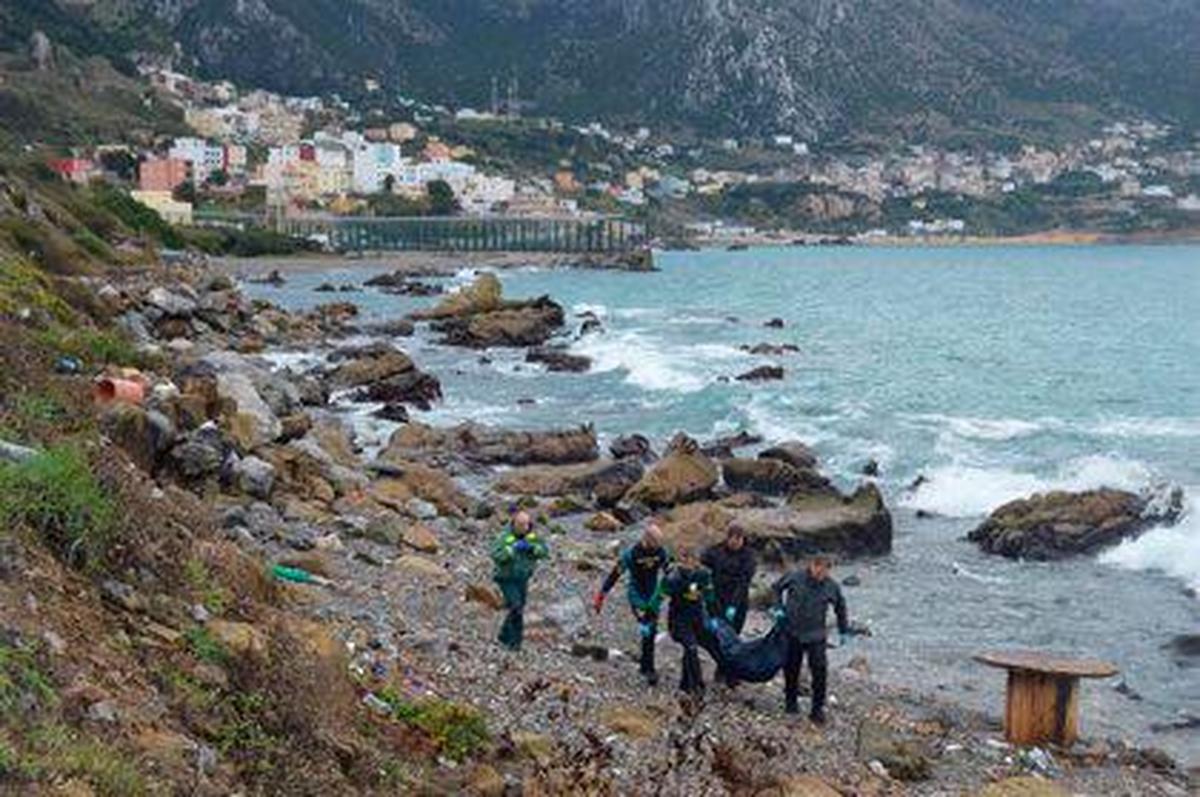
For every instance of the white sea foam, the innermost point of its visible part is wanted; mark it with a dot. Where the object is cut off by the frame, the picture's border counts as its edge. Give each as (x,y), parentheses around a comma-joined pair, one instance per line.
(991,429)
(598,310)
(652,364)
(637,313)
(776,423)
(959,490)
(1174,550)
(1147,427)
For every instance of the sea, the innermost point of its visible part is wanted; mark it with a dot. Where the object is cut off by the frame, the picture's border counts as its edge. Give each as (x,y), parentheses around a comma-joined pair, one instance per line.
(989,373)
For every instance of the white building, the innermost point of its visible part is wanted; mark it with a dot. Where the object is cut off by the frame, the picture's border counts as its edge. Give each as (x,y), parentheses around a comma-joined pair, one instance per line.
(206,158)
(374,163)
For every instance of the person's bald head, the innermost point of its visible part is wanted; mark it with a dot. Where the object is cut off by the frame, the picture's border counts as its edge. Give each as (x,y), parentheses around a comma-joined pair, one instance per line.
(522,522)
(652,536)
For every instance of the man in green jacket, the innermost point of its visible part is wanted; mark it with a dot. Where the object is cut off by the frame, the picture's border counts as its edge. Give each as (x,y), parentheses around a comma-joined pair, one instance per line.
(515,554)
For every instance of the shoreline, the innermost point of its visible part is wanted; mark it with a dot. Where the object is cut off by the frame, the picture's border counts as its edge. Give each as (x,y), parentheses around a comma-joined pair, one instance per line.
(425,264)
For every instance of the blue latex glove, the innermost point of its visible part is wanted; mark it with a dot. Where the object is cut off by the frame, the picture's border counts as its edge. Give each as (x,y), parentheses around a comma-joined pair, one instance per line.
(778,613)
(730,613)
(522,545)
(646,629)
(713,624)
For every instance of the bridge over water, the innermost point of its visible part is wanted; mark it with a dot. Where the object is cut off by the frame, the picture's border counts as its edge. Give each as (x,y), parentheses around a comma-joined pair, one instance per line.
(598,234)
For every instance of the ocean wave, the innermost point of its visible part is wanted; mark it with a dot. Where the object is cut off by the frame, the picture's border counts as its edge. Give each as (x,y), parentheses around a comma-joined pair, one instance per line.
(637,313)
(598,310)
(1146,427)
(959,490)
(652,364)
(1173,550)
(777,422)
(989,429)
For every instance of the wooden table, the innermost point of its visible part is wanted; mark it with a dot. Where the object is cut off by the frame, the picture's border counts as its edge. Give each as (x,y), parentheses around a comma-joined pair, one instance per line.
(1042,703)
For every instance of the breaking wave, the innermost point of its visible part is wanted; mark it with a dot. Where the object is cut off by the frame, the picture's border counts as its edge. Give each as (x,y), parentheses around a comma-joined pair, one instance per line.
(654,365)
(959,490)
(1173,550)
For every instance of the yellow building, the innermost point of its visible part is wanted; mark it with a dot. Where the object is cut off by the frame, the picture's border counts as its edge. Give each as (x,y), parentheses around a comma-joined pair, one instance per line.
(162,202)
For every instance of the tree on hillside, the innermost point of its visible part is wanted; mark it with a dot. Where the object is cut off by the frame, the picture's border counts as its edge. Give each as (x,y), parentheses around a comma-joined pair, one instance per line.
(120,162)
(442,201)
(185,192)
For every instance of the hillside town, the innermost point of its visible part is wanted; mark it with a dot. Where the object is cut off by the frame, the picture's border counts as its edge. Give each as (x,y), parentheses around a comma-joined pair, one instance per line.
(266,153)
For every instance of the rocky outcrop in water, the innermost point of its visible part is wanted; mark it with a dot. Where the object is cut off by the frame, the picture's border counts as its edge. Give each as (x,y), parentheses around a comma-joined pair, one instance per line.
(479,317)
(773,477)
(1059,524)
(482,445)
(559,359)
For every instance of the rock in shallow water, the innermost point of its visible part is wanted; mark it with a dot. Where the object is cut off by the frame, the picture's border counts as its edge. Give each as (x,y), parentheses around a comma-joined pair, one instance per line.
(1058,524)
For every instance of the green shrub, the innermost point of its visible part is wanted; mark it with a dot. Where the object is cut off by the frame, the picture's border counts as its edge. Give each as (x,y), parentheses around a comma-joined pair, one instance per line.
(56,495)
(56,751)
(21,680)
(137,216)
(94,346)
(205,647)
(460,731)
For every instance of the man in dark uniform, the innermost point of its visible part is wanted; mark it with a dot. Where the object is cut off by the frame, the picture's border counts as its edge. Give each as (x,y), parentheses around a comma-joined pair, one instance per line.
(732,565)
(804,597)
(692,615)
(646,561)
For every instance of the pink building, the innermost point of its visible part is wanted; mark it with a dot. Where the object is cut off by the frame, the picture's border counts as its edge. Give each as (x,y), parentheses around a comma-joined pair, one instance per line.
(77,170)
(164,174)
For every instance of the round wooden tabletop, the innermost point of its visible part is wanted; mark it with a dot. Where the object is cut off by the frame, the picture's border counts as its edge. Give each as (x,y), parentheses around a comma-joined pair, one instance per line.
(1047,664)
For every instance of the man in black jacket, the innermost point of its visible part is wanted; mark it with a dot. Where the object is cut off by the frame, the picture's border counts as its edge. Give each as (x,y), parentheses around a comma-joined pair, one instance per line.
(732,565)
(804,597)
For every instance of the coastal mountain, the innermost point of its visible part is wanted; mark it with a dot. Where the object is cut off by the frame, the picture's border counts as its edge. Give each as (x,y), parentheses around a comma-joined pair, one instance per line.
(816,68)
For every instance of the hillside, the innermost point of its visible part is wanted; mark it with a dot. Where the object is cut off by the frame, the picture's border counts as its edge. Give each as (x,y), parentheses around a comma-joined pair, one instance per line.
(817,68)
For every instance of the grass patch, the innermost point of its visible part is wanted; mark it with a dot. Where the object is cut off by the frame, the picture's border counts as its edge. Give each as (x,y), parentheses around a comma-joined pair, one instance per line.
(56,495)
(22,683)
(93,346)
(56,751)
(24,287)
(214,597)
(243,734)
(459,731)
(204,647)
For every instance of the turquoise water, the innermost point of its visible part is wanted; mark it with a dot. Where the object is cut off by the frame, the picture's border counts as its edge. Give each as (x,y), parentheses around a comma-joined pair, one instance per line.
(992,372)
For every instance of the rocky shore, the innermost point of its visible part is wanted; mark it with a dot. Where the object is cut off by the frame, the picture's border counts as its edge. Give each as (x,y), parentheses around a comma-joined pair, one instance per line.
(397,540)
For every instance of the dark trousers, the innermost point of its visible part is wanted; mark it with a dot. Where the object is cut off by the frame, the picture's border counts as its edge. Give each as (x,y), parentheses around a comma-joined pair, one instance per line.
(514,590)
(688,630)
(797,651)
(648,631)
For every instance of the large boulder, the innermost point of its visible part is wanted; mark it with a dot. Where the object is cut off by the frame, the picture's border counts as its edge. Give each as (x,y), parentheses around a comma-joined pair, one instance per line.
(634,445)
(253,424)
(516,324)
(773,477)
(793,452)
(605,480)
(1058,524)
(849,526)
(558,359)
(413,387)
(483,295)
(368,364)
(483,445)
(684,474)
(408,480)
